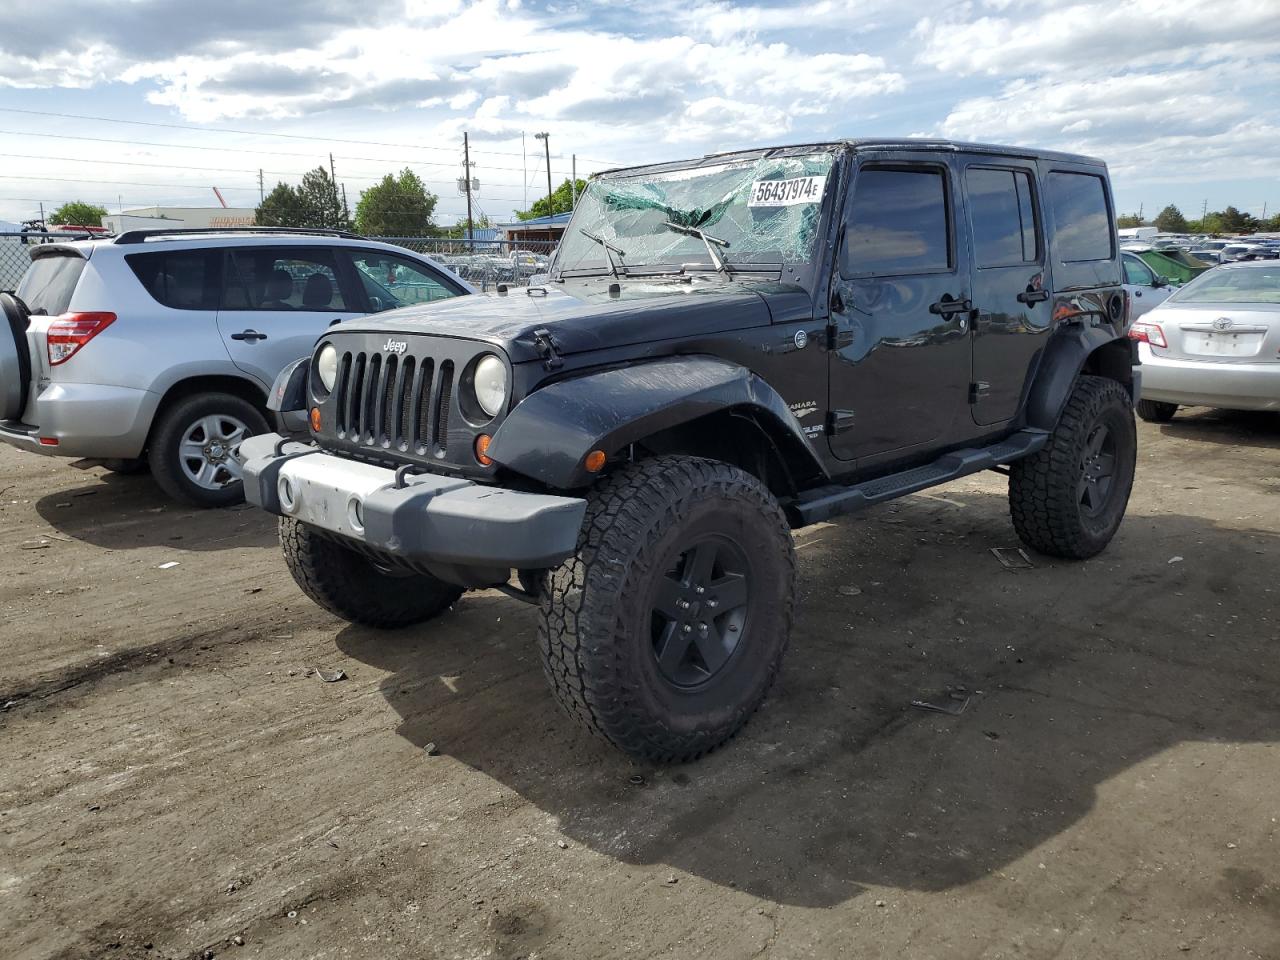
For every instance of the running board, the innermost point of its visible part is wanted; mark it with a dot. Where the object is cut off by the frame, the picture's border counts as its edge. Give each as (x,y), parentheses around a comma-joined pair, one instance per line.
(814,506)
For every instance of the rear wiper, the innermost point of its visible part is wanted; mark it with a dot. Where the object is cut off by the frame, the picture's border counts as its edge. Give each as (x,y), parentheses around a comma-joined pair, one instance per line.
(710,241)
(609,251)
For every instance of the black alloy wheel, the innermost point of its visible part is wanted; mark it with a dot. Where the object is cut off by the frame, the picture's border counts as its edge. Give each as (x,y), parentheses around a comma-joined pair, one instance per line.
(699,612)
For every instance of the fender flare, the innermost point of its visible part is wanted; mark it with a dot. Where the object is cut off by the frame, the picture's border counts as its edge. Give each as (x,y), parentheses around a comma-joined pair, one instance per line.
(549,433)
(1065,356)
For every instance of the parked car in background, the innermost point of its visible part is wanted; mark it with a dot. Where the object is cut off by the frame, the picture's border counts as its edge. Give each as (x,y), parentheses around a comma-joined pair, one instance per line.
(158,348)
(1215,343)
(1207,254)
(1146,288)
(1236,252)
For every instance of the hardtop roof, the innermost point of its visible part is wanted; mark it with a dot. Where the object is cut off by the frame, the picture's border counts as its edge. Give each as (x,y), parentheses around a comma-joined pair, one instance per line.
(864,144)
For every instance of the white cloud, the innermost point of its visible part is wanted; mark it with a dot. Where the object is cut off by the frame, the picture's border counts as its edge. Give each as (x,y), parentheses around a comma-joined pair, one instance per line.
(1098,36)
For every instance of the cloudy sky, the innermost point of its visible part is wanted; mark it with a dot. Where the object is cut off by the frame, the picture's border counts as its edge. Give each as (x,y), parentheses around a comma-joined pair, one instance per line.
(1177,95)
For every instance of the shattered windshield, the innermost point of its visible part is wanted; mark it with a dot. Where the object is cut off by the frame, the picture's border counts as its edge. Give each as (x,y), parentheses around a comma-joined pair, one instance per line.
(746,214)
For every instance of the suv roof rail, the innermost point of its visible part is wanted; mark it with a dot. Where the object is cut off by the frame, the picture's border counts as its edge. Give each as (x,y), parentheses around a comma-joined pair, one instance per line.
(139,236)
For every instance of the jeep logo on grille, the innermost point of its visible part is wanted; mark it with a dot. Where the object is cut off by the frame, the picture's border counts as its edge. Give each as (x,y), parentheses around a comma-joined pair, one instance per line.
(396,346)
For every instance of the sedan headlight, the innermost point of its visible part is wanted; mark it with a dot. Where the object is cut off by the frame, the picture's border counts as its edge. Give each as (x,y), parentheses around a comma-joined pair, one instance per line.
(490,382)
(327,365)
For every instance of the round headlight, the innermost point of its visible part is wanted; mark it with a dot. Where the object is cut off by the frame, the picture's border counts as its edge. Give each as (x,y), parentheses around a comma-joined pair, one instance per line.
(327,365)
(490,384)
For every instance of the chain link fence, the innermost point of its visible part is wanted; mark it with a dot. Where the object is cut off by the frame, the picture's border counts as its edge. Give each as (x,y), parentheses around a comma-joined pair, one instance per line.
(482,263)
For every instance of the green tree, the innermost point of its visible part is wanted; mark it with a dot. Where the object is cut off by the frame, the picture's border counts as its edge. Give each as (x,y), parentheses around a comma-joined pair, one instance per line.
(1236,221)
(1129,220)
(319,195)
(397,207)
(282,207)
(77,213)
(314,203)
(562,202)
(1171,220)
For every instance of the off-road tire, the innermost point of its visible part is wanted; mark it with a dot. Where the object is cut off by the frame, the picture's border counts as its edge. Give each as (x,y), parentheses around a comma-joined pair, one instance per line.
(348,584)
(596,614)
(126,466)
(167,434)
(1156,411)
(1043,488)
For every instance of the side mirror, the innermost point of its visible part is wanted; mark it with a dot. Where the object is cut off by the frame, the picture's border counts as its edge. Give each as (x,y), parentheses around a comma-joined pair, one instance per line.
(1160,282)
(375,304)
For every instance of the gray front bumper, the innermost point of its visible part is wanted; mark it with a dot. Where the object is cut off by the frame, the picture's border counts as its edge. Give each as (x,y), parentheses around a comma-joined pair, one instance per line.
(430,519)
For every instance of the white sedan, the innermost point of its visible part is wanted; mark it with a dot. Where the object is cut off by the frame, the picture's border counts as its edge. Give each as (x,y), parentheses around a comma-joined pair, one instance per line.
(1214,343)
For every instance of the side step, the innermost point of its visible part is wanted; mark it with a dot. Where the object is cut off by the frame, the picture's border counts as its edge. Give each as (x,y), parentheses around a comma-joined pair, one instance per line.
(814,506)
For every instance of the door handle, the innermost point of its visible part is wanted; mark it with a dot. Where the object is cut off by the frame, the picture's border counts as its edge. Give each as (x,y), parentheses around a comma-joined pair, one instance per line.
(1033,296)
(251,335)
(947,306)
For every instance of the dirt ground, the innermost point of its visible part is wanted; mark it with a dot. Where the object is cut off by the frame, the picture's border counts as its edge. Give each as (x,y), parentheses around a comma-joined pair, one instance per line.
(175,782)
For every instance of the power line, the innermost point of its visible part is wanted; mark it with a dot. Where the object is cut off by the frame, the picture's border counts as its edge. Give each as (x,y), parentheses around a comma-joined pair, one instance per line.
(254,133)
(272,153)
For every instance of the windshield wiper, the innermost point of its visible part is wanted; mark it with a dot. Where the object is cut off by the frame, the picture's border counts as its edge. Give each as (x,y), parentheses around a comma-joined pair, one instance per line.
(710,241)
(609,251)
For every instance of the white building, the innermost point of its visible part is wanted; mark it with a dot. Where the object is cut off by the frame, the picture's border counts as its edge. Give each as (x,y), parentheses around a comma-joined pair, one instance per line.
(178,218)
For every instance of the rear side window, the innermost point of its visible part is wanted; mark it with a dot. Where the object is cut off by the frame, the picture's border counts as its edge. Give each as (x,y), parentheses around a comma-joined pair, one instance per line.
(897,223)
(47,285)
(284,279)
(176,278)
(1081,221)
(1003,219)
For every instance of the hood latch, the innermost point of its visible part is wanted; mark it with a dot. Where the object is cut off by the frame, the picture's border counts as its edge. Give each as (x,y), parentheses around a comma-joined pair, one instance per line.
(547,348)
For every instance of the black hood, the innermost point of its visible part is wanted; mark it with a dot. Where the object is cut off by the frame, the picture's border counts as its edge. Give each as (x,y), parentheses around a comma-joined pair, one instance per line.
(582,315)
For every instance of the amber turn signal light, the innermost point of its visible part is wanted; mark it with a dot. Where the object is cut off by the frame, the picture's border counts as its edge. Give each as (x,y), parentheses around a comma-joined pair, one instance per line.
(595,461)
(315,419)
(482,444)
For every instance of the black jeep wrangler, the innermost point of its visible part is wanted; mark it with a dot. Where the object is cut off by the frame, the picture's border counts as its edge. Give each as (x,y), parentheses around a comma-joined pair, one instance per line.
(725,350)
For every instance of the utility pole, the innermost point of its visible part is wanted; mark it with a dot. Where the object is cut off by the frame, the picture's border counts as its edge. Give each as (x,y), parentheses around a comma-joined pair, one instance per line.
(524,162)
(573,183)
(466,179)
(1204,210)
(262,190)
(43,225)
(333,176)
(546,139)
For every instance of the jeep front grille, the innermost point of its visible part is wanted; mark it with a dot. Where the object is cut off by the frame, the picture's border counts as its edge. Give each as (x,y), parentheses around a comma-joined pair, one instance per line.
(394,402)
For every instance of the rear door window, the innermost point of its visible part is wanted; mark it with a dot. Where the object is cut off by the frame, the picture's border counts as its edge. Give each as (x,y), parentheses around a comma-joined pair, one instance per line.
(282,279)
(177,278)
(47,285)
(1002,217)
(897,223)
(1082,227)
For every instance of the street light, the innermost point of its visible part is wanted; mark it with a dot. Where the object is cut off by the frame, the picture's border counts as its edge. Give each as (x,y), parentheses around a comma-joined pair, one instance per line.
(546,138)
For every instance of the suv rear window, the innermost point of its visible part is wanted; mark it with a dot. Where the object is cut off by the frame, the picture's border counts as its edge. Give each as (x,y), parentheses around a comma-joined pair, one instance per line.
(1081,221)
(47,285)
(175,278)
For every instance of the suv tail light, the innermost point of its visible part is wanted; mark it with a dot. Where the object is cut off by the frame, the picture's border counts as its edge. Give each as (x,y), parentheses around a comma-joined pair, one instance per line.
(1150,333)
(71,331)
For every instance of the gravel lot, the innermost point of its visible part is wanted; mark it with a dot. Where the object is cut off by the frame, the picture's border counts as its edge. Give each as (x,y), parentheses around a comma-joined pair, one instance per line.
(176,780)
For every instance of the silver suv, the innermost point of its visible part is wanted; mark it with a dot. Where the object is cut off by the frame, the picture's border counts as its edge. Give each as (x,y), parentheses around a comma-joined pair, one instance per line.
(158,348)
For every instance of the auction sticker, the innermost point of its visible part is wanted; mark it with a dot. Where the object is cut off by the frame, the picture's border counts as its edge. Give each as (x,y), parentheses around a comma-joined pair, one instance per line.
(784,193)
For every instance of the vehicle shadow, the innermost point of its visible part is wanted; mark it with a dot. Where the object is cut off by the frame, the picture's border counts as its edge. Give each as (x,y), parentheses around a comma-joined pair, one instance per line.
(118,512)
(1075,673)
(1236,428)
